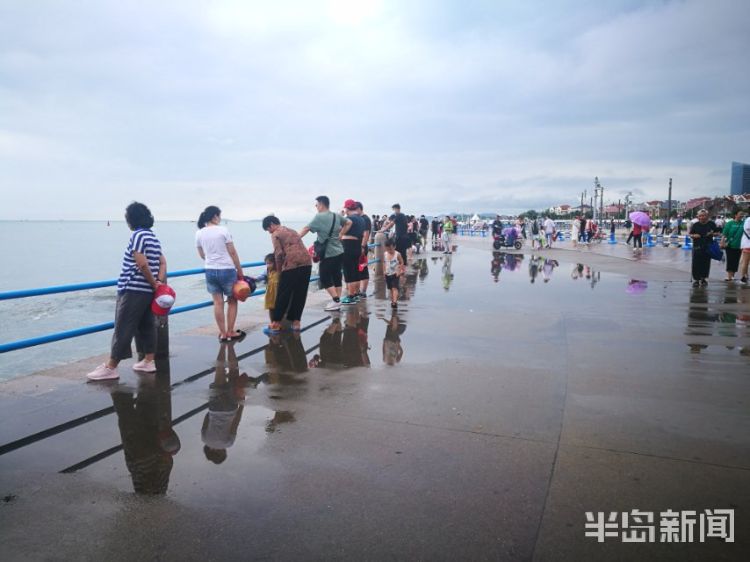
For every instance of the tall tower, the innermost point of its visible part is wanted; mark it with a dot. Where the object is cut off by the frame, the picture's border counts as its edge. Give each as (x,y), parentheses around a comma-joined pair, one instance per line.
(740,178)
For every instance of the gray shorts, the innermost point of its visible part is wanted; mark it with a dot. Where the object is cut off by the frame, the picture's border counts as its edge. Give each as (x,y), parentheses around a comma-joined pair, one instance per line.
(133,318)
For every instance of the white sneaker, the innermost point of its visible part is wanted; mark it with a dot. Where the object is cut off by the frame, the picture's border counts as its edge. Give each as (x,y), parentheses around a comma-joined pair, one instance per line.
(333,305)
(103,373)
(145,366)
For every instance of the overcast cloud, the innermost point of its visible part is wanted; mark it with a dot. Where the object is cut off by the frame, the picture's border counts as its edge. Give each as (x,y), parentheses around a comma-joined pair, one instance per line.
(260,106)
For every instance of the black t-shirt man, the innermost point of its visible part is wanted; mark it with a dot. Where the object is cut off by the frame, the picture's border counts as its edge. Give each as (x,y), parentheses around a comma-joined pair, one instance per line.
(423,225)
(497,227)
(401,223)
(358,226)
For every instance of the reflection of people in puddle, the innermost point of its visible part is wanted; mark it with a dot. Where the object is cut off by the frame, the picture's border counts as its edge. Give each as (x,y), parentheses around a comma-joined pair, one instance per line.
(534,267)
(743,318)
(581,271)
(699,319)
(577,272)
(421,265)
(286,354)
(547,269)
(708,319)
(345,346)
(409,282)
(224,405)
(392,350)
(447,274)
(330,347)
(354,344)
(148,440)
(592,276)
(513,261)
(496,265)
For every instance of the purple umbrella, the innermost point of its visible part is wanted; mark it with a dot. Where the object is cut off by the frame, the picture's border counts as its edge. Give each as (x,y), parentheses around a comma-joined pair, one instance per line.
(641,218)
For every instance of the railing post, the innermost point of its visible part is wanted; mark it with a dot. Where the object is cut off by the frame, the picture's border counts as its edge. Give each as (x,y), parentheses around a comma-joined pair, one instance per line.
(379,251)
(162,337)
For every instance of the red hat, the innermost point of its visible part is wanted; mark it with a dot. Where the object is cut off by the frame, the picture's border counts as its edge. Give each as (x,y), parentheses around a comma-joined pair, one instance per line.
(350,204)
(164,298)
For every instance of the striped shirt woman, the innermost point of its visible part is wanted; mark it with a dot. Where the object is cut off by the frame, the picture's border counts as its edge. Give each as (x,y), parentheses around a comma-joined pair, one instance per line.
(131,278)
(144,268)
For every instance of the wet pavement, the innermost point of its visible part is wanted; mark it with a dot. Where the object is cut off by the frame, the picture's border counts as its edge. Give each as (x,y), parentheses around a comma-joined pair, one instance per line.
(507,396)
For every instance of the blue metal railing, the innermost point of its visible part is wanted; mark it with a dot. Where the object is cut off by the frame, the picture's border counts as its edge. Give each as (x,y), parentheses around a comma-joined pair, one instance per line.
(77,332)
(97,284)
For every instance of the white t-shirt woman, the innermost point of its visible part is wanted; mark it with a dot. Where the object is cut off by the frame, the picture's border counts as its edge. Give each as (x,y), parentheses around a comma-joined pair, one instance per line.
(223,268)
(212,241)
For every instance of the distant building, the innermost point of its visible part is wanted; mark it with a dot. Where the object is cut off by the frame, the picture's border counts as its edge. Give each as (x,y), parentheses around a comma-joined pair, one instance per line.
(696,203)
(740,178)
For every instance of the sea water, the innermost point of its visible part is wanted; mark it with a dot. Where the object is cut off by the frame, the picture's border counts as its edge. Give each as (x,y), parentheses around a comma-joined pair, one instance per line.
(42,254)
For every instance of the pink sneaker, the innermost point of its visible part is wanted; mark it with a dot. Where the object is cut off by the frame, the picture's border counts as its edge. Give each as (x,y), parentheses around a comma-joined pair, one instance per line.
(103,373)
(145,366)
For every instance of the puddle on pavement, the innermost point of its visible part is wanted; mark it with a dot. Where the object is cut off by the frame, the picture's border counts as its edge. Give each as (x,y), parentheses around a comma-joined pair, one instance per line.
(502,307)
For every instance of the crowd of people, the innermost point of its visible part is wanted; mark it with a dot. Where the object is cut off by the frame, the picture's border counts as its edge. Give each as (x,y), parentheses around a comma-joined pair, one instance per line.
(342,250)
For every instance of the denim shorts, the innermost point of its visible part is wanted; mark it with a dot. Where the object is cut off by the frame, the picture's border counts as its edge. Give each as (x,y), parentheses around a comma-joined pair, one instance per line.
(220,281)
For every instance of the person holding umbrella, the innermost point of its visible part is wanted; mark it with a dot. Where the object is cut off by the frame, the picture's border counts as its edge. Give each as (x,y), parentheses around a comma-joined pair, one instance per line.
(641,221)
(702,233)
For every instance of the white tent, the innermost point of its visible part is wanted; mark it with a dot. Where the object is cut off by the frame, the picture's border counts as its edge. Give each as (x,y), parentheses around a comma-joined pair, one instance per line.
(475,218)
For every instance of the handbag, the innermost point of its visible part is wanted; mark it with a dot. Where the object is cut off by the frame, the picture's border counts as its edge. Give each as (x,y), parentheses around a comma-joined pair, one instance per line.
(715,251)
(319,248)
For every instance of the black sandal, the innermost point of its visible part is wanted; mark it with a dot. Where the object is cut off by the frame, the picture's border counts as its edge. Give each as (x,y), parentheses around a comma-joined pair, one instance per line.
(239,334)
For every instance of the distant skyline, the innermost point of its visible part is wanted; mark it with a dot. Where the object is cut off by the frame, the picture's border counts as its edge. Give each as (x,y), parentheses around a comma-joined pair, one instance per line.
(258,107)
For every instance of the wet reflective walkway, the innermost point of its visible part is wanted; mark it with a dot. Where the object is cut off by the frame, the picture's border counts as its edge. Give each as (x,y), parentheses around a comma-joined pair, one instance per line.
(506,396)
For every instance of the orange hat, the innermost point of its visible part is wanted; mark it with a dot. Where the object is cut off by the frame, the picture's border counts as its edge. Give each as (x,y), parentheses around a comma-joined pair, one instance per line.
(241,290)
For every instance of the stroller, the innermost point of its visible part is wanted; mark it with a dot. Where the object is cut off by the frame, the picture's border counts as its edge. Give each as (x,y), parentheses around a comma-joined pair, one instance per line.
(509,238)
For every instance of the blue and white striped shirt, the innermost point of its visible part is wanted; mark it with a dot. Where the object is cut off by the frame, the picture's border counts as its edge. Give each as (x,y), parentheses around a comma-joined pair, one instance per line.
(144,242)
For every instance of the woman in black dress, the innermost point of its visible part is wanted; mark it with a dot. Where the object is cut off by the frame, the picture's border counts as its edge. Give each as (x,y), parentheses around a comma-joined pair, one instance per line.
(702,233)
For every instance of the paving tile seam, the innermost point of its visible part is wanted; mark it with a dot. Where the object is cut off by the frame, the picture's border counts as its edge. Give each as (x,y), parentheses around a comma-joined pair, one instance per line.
(654,456)
(566,370)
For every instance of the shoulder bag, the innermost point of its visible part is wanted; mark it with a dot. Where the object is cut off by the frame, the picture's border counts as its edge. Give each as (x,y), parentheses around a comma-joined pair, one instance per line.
(320,247)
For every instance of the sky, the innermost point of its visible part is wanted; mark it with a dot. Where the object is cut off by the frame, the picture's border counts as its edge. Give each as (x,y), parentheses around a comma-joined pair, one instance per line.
(442,106)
